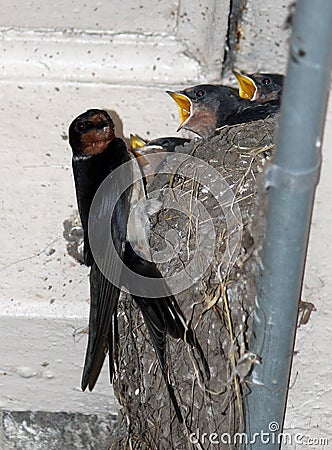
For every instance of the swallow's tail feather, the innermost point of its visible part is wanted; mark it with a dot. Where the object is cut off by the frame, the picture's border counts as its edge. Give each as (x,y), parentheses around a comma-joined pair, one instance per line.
(162,317)
(155,323)
(166,305)
(102,327)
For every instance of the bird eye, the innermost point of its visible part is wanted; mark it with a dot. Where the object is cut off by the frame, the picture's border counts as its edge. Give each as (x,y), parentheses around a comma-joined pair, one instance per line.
(200,93)
(266,81)
(101,125)
(84,126)
(80,126)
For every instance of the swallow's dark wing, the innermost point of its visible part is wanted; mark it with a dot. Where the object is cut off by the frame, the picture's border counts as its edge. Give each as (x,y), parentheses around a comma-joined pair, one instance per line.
(105,230)
(104,294)
(85,192)
(255,112)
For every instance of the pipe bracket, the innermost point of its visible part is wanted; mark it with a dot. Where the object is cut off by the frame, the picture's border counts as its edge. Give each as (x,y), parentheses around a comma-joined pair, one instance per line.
(297,182)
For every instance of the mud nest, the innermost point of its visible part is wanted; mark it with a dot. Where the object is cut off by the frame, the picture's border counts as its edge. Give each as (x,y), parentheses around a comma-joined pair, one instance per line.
(210,233)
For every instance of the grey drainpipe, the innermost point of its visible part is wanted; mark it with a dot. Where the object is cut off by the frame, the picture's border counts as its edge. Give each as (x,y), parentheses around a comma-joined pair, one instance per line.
(292,180)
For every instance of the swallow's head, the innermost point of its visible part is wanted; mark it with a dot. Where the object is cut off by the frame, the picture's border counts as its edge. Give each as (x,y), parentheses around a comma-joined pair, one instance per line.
(168,144)
(90,133)
(141,147)
(269,86)
(205,107)
(262,87)
(151,154)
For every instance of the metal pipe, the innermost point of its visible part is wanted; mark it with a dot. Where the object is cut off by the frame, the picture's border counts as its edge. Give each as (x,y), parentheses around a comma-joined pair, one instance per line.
(292,179)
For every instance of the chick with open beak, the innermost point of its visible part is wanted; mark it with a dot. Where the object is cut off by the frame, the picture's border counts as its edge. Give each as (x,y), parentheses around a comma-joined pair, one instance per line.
(261,87)
(205,108)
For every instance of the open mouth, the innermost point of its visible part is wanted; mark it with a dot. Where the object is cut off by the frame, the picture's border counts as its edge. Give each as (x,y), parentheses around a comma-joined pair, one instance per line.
(247,87)
(142,151)
(184,106)
(135,143)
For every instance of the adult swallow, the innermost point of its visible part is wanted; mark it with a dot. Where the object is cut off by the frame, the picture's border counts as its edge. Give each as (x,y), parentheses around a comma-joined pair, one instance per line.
(261,87)
(158,148)
(205,108)
(96,153)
